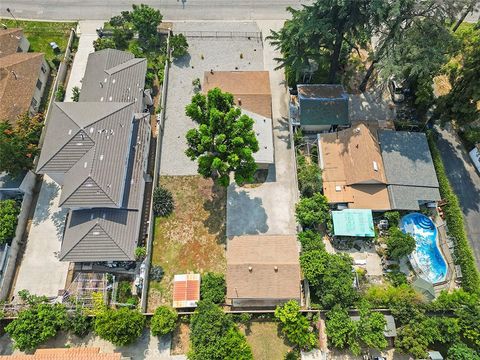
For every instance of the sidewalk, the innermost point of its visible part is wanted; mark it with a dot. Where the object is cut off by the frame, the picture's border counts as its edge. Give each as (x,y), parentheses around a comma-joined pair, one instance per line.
(40,271)
(86,30)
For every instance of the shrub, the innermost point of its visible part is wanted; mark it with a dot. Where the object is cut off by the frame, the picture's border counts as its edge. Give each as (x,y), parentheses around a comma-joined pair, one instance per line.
(399,244)
(60,93)
(179,45)
(295,326)
(309,177)
(103,43)
(121,327)
(36,324)
(213,287)
(311,240)
(292,355)
(163,204)
(79,323)
(9,211)
(156,273)
(456,227)
(393,218)
(75,94)
(163,321)
(313,211)
(140,252)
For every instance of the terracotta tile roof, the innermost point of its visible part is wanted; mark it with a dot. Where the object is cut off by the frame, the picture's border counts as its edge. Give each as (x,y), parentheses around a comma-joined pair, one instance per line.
(252,87)
(353,170)
(263,267)
(66,354)
(9,41)
(18,79)
(186,290)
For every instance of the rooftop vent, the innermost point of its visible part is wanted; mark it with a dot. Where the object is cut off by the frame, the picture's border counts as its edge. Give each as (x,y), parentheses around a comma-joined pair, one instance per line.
(85,164)
(250,269)
(70,132)
(113,81)
(96,233)
(375,166)
(338,188)
(91,130)
(275,268)
(101,157)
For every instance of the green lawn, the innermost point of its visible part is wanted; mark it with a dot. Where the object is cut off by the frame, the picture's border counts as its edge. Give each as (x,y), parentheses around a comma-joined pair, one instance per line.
(41,33)
(266,340)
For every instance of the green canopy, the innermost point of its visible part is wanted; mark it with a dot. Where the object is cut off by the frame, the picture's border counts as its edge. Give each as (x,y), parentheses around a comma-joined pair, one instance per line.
(353,222)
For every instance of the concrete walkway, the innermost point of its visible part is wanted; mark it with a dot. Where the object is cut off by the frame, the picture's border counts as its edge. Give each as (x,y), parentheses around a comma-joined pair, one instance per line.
(40,270)
(268,208)
(86,30)
(465,182)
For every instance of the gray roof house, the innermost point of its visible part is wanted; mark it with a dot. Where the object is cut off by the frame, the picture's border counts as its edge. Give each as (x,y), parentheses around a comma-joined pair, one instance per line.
(409,169)
(97,150)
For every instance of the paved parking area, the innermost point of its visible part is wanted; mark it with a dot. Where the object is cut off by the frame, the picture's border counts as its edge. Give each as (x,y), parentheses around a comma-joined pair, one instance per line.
(268,208)
(222,53)
(40,271)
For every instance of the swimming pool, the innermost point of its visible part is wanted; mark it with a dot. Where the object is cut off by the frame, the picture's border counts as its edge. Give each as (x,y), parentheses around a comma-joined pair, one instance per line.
(427,256)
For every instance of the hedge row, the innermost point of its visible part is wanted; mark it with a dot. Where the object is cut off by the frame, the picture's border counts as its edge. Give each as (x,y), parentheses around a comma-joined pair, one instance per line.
(456,227)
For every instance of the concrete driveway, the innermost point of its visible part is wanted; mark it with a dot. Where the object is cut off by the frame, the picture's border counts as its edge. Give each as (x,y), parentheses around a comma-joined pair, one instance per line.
(88,34)
(268,208)
(465,182)
(40,270)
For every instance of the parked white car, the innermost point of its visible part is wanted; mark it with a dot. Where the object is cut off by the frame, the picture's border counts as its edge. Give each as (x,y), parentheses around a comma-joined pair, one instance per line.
(475,156)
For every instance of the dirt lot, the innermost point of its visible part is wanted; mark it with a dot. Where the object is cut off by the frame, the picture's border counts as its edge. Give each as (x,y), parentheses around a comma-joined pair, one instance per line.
(192,239)
(181,339)
(266,341)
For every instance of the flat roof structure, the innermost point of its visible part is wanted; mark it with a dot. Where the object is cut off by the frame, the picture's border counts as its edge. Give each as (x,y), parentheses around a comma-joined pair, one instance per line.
(264,133)
(263,267)
(186,290)
(353,222)
(79,353)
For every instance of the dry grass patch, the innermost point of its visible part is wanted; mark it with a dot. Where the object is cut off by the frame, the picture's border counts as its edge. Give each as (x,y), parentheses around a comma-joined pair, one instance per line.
(192,239)
(180,339)
(265,340)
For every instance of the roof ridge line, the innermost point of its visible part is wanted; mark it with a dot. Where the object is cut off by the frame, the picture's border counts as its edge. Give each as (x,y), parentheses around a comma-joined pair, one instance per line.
(80,239)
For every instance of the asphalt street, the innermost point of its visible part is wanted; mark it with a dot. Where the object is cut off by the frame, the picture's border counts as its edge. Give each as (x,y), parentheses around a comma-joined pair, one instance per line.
(171,9)
(466,184)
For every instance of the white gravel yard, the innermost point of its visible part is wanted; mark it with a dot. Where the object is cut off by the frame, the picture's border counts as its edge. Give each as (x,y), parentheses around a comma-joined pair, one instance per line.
(220,49)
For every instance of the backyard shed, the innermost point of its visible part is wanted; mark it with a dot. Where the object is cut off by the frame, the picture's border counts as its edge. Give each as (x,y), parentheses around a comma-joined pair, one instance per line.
(353,222)
(186,290)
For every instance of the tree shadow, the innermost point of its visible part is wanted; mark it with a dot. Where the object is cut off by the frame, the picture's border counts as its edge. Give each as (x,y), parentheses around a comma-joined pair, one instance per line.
(283,128)
(245,215)
(183,62)
(48,193)
(58,219)
(216,206)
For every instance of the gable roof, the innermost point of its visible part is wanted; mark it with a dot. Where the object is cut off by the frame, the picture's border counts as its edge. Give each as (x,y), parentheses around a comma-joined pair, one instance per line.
(251,87)
(114,75)
(263,267)
(10,40)
(91,142)
(323,104)
(100,235)
(18,79)
(409,168)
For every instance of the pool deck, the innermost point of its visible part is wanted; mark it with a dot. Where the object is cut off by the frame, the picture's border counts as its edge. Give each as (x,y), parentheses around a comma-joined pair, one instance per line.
(449,283)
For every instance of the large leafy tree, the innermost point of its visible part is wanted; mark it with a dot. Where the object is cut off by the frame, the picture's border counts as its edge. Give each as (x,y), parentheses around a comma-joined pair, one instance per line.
(295,326)
(224,141)
(460,351)
(319,33)
(37,323)
(121,327)
(9,211)
(399,244)
(214,336)
(19,143)
(331,277)
(145,19)
(313,211)
(213,287)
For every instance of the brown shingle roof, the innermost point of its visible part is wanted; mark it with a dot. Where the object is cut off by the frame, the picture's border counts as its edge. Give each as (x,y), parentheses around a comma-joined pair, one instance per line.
(263,267)
(66,354)
(353,170)
(9,41)
(252,87)
(18,79)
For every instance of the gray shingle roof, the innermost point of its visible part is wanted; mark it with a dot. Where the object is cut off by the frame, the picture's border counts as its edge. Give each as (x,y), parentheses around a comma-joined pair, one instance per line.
(114,75)
(409,169)
(100,235)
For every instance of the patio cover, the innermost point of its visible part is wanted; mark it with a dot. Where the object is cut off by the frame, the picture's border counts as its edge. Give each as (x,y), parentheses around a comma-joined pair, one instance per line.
(353,222)
(424,287)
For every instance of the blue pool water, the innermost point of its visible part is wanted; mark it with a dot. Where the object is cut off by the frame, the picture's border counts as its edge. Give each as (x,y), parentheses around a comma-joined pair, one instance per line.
(427,256)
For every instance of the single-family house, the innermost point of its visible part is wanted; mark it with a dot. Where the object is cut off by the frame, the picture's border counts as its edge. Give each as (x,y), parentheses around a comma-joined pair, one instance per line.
(319,107)
(78,353)
(23,76)
(262,270)
(251,92)
(97,150)
(352,169)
